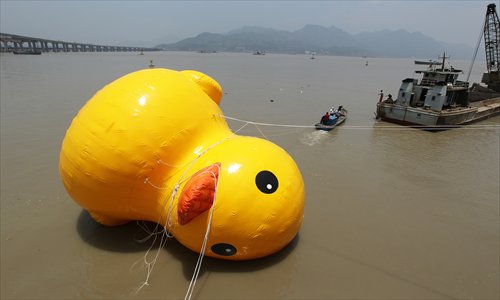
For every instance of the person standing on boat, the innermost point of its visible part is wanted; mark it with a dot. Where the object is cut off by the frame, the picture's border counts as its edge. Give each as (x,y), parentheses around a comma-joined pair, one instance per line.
(338,112)
(381,94)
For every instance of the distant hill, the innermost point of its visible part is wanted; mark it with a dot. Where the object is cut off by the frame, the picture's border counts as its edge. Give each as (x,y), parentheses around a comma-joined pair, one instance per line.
(401,43)
(322,40)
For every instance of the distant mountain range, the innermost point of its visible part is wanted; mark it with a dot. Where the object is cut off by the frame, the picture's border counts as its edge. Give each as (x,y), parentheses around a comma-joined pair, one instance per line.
(323,40)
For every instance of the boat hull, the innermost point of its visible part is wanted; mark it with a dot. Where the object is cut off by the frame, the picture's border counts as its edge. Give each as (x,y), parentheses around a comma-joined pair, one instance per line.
(448,118)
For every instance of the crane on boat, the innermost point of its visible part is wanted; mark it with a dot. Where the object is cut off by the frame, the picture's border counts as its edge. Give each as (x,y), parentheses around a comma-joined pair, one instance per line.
(491,33)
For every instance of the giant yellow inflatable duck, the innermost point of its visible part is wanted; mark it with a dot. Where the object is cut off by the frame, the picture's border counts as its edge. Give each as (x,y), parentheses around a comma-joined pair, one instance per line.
(153,145)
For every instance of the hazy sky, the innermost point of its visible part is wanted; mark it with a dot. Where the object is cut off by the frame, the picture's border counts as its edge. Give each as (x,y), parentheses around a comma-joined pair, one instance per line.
(114,22)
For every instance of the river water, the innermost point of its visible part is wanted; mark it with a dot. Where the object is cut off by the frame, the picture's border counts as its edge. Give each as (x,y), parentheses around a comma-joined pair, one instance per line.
(391,212)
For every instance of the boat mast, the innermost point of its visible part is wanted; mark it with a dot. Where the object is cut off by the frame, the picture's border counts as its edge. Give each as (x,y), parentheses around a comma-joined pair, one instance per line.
(444,57)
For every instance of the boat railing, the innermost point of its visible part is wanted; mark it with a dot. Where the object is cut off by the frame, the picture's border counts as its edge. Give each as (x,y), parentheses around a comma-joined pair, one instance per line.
(428,82)
(461,84)
(433,82)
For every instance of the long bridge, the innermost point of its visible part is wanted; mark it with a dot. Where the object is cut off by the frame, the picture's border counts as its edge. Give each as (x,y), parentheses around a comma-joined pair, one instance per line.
(13,43)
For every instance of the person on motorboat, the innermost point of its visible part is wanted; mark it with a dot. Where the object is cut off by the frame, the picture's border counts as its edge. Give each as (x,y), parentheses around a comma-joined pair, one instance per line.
(325,118)
(332,119)
(339,111)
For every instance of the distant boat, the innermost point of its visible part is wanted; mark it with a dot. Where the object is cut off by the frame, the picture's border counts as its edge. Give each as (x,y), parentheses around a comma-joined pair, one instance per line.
(259,53)
(28,52)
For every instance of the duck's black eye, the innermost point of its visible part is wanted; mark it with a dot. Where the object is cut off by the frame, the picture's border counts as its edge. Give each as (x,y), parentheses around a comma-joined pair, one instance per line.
(266,182)
(224,249)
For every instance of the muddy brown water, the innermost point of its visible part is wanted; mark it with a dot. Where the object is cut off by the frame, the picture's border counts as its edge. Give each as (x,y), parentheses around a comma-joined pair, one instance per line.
(391,212)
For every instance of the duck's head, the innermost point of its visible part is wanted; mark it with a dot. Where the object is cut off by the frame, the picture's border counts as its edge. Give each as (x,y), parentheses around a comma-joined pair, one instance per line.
(259,200)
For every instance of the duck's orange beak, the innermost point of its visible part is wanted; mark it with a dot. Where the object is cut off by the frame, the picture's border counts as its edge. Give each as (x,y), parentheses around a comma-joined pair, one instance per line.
(198,193)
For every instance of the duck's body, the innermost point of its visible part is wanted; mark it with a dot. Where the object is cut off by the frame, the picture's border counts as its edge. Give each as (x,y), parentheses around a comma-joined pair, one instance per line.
(146,134)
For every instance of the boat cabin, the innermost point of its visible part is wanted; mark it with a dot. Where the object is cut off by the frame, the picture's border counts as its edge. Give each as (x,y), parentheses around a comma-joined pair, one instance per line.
(437,90)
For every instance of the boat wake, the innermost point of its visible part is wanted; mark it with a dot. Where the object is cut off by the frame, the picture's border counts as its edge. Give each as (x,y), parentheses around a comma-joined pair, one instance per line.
(314,137)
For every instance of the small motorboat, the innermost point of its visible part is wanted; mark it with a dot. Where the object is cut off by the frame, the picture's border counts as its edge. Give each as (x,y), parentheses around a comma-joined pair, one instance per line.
(330,124)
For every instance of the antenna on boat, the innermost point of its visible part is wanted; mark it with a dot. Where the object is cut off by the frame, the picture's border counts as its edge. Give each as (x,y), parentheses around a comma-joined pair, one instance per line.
(444,57)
